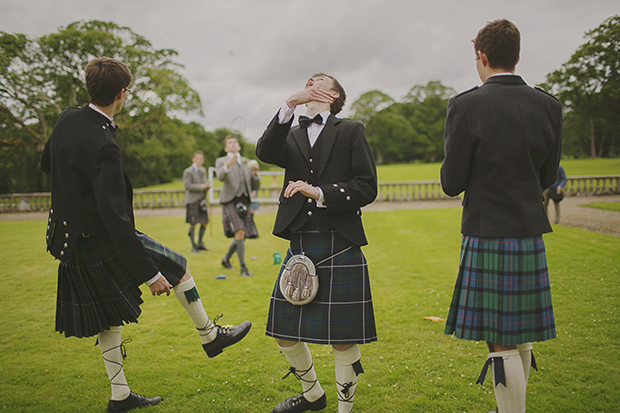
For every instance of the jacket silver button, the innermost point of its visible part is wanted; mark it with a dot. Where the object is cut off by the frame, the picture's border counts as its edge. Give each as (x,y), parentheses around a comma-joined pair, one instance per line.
(62,253)
(66,235)
(309,213)
(309,200)
(66,245)
(341,189)
(348,198)
(64,223)
(310,159)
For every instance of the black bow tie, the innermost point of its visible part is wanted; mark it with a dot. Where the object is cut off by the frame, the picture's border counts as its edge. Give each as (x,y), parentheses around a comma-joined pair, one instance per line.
(305,121)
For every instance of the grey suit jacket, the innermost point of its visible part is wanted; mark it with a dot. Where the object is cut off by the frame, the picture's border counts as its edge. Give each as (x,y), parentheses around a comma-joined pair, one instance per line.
(502,143)
(192,181)
(232,179)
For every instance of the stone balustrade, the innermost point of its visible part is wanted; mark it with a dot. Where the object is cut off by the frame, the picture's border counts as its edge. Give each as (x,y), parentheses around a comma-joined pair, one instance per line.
(388,192)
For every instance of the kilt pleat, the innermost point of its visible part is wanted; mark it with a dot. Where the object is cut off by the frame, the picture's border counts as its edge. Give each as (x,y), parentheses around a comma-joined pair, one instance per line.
(232,222)
(342,311)
(94,291)
(502,293)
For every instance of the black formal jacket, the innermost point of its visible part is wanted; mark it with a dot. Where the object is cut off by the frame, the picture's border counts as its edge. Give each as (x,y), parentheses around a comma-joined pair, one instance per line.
(91,194)
(346,173)
(502,145)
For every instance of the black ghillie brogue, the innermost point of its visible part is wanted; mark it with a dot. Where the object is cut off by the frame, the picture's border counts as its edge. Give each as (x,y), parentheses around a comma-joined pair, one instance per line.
(299,404)
(133,401)
(226,336)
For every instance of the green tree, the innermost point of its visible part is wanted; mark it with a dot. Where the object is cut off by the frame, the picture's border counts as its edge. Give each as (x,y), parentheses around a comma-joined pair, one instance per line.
(40,77)
(368,104)
(588,85)
(409,130)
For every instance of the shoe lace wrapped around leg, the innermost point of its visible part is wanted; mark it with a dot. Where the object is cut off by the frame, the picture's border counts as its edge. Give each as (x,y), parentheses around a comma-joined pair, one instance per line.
(299,375)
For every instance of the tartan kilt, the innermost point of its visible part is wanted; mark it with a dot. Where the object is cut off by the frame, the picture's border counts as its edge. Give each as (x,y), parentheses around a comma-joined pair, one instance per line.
(195,215)
(502,293)
(232,222)
(342,311)
(94,291)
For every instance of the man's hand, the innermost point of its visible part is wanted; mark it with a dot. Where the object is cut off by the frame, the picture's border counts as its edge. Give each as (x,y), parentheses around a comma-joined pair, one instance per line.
(231,161)
(311,94)
(160,286)
(559,190)
(206,186)
(303,187)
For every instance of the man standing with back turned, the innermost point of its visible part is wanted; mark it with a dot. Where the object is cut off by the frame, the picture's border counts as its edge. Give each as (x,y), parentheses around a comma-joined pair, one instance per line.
(502,146)
(91,230)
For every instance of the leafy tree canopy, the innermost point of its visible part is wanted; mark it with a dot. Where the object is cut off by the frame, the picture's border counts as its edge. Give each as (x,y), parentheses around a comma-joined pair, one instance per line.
(40,77)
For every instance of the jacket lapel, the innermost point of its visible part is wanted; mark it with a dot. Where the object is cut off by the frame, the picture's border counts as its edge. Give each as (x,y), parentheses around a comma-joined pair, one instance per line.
(301,137)
(329,134)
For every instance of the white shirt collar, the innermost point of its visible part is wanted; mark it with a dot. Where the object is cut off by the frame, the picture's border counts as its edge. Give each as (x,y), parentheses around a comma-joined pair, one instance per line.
(96,109)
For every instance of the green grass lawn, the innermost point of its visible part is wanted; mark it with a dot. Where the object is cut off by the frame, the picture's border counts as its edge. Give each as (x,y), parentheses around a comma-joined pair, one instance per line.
(414,367)
(608,206)
(430,171)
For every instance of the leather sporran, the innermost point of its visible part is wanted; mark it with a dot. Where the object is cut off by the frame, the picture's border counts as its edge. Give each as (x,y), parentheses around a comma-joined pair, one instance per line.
(299,282)
(242,209)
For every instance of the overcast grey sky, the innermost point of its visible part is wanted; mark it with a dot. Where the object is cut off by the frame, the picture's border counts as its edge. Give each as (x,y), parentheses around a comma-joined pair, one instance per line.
(245,57)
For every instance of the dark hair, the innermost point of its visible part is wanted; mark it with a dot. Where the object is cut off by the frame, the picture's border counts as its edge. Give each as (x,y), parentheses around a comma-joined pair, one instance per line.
(500,40)
(337,104)
(105,78)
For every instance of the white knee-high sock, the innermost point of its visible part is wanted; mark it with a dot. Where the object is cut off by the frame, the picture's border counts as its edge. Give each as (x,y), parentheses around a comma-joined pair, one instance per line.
(346,377)
(510,397)
(110,345)
(187,294)
(525,350)
(299,357)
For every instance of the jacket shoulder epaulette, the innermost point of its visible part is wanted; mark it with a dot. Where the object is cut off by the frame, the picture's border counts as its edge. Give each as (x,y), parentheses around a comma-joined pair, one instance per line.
(545,92)
(467,91)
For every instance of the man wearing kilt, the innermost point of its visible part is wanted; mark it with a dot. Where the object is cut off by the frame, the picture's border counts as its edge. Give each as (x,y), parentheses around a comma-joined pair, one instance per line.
(91,230)
(330,174)
(238,183)
(502,144)
(195,183)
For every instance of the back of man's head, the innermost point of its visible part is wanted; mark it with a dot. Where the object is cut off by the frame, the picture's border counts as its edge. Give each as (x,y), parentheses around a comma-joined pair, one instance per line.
(105,78)
(500,40)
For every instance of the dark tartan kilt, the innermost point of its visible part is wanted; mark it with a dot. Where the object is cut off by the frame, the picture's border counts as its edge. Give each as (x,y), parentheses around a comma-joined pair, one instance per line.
(94,291)
(232,222)
(194,214)
(342,311)
(502,293)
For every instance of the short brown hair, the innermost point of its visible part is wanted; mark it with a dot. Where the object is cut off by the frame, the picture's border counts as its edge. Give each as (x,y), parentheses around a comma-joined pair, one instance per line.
(500,40)
(105,78)
(337,104)
(229,137)
(198,153)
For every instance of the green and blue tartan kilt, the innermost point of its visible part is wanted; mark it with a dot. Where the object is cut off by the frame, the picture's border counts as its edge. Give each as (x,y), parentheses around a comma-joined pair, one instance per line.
(502,293)
(342,311)
(232,222)
(94,290)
